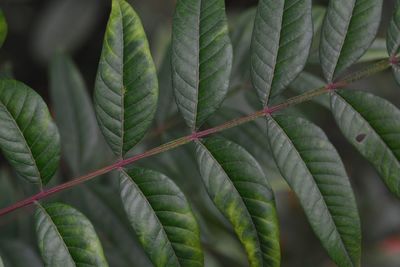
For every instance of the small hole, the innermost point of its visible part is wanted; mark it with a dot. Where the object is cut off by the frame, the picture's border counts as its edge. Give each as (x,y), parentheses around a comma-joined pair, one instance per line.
(360,137)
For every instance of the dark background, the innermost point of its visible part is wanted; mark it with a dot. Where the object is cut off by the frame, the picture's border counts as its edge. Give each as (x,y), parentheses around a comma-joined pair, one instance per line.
(38,28)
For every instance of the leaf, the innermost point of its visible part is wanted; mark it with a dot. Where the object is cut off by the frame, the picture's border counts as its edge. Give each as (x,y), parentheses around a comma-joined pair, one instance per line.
(238,187)
(372,125)
(126,89)
(349,28)
(3,28)
(74,115)
(393,34)
(17,254)
(280,45)
(306,82)
(161,218)
(314,170)
(29,138)
(201,58)
(66,237)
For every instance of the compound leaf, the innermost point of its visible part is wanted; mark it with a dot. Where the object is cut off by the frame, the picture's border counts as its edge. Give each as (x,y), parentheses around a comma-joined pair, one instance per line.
(29,138)
(280,44)
(66,237)
(201,58)
(238,187)
(126,89)
(372,125)
(313,169)
(349,28)
(161,217)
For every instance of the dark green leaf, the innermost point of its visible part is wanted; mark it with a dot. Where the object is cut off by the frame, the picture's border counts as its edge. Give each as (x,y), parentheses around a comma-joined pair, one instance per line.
(314,170)
(74,115)
(201,58)
(393,34)
(349,28)
(3,28)
(126,88)
(239,188)
(66,237)
(161,218)
(372,125)
(28,137)
(280,45)
(17,254)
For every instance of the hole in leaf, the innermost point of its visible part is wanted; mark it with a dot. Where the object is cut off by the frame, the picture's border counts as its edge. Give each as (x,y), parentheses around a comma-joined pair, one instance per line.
(360,137)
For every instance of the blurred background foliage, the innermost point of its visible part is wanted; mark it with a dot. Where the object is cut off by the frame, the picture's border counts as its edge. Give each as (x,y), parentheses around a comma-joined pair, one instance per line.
(39,29)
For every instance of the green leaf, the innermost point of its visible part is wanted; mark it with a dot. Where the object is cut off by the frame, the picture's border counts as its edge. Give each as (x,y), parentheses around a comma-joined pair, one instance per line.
(29,138)
(280,45)
(313,169)
(161,217)
(74,115)
(66,237)
(126,88)
(201,58)
(240,190)
(3,28)
(349,28)
(393,34)
(372,125)
(17,254)
(306,82)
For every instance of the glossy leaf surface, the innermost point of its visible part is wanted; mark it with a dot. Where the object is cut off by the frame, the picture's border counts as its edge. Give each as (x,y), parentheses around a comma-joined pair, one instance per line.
(161,217)
(66,237)
(280,45)
(201,58)
(29,138)
(126,87)
(315,172)
(238,187)
(372,125)
(349,28)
